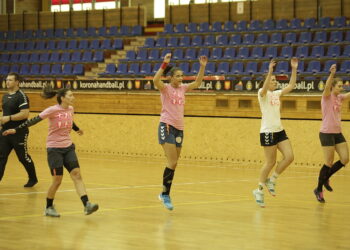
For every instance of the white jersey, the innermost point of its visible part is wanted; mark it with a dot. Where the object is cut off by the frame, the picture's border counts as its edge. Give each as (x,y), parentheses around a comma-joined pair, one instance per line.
(270,109)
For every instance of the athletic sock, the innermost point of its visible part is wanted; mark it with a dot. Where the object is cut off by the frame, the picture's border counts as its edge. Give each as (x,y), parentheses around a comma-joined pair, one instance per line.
(84,199)
(324,172)
(49,202)
(335,168)
(168,177)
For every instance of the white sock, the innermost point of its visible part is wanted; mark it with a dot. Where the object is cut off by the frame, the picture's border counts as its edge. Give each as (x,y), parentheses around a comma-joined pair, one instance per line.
(273,177)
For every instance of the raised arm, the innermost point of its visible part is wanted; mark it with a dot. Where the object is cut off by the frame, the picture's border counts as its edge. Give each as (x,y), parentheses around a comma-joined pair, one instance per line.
(328,86)
(293,77)
(203,60)
(268,78)
(156,79)
(25,124)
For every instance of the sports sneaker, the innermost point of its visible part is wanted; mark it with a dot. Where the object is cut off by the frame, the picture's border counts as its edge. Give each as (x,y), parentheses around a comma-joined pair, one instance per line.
(166,201)
(327,186)
(259,197)
(90,208)
(319,196)
(271,186)
(31,183)
(51,211)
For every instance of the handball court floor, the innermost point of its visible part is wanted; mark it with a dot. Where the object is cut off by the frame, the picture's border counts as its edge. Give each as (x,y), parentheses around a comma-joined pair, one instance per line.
(214,208)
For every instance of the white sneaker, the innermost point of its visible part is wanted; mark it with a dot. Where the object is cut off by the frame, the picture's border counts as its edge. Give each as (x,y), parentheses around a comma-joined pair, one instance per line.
(271,187)
(259,197)
(51,211)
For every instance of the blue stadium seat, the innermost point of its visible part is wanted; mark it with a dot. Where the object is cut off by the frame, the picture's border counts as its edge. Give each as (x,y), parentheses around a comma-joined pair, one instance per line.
(192,28)
(222,40)
(45,69)
(196,41)
(257,53)
(327,65)
(248,39)
(10,35)
(18,34)
(83,44)
(237,68)
(333,51)
(282,67)
(10,46)
(282,24)
(95,44)
(180,28)
(255,25)
(153,55)
(113,31)
(178,54)
(336,36)
(51,45)
(216,27)
(286,52)
(73,44)
(145,69)
(70,33)
(241,25)
(19,46)
(345,67)
(111,69)
(44,57)
(295,24)
(204,27)
(81,32)
(29,45)
(28,34)
(229,26)
(142,55)
(65,57)
(67,69)
(194,68)
(164,52)
(262,38)
(313,67)
(161,42)
(56,69)
(305,37)
(34,58)
(4,58)
(320,37)
(49,33)
(276,38)
(203,52)
(310,23)
(117,44)
(78,69)
(106,44)
(14,58)
(339,22)
(302,52)
(14,68)
(102,31)
(155,68)
(210,68)
(243,53)
(185,41)
(4,69)
(24,70)
(34,69)
(168,28)
(136,30)
(216,53)
(172,42)
(185,67)
(130,55)
(300,68)
(317,51)
(209,40)
(87,56)
(23,58)
(235,39)
(59,33)
(62,44)
(98,56)
(54,57)
(271,52)
(76,57)
(251,68)
(134,69)
(324,22)
(269,25)
(346,52)
(347,36)
(229,53)
(223,68)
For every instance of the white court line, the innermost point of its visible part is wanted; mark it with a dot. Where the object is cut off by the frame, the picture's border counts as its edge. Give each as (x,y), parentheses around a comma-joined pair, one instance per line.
(147,186)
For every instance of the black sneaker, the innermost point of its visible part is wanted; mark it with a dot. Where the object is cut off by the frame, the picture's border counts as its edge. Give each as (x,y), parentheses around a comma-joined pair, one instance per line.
(319,196)
(327,186)
(30,183)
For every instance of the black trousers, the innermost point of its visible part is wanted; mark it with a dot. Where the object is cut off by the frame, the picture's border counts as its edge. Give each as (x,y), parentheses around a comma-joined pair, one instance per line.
(18,142)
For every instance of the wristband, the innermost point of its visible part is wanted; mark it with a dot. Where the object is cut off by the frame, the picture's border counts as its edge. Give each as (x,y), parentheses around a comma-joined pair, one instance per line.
(163,66)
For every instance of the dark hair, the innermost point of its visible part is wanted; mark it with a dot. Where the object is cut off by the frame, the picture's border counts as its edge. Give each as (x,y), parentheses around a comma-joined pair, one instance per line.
(171,69)
(49,92)
(16,75)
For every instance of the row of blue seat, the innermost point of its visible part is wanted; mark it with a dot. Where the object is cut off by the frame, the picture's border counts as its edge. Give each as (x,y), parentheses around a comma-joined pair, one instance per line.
(44,69)
(257,25)
(250,39)
(226,68)
(76,56)
(113,31)
(231,53)
(106,44)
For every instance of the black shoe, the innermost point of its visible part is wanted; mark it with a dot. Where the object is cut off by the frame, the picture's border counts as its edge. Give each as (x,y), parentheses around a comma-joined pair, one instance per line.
(319,196)
(327,186)
(31,183)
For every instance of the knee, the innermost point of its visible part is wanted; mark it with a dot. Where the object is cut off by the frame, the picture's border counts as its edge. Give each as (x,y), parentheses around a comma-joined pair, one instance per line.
(290,158)
(270,164)
(75,174)
(57,182)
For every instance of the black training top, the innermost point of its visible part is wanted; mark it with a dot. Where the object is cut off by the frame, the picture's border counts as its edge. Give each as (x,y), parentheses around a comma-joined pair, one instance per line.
(13,104)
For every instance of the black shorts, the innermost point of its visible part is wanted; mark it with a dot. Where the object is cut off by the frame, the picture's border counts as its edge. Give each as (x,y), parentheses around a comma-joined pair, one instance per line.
(271,139)
(331,139)
(170,134)
(59,157)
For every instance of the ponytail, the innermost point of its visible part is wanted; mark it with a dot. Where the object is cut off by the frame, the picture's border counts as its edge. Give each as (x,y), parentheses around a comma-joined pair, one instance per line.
(49,92)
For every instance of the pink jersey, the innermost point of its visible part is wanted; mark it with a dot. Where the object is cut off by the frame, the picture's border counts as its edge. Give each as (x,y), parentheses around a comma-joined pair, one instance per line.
(60,125)
(331,107)
(173,101)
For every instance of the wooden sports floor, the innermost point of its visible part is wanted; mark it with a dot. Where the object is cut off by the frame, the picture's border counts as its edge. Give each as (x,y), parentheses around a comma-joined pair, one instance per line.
(214,208)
